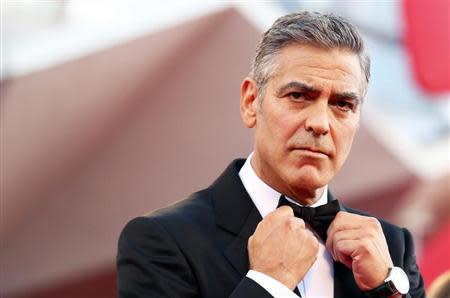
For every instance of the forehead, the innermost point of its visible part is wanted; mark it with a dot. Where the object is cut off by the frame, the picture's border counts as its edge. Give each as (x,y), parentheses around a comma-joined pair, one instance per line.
(322,68)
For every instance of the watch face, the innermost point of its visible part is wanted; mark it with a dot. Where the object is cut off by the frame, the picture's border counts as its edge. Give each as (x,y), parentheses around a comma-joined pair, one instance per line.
(399,279)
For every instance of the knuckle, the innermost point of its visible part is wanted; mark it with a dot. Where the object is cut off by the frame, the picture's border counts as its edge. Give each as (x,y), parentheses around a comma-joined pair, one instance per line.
(315,244)
(375,226)
(340,214)
(297,224)
(261,225)
(374,222)
(300,222)
(269,216)
(338,246)
(378,225)
(285,211)
(279,214)
(365,243)
(374,233)
(291,224)
(311,238)
(250,242)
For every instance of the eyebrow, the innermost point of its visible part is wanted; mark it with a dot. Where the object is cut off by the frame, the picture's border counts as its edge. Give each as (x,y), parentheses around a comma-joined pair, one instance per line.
(295,85)
(309,89)
(348,96)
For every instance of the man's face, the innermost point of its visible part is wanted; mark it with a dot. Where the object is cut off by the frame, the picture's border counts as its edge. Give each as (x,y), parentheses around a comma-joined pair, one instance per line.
(307,119)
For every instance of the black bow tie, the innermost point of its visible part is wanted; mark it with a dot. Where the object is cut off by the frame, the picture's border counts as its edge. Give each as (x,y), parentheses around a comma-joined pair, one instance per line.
(319,218)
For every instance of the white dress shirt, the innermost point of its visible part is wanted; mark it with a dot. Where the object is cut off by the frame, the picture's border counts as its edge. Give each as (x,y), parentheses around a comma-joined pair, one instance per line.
(318,281)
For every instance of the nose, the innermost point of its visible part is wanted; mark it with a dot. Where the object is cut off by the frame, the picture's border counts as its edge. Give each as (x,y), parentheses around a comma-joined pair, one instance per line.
(317,121)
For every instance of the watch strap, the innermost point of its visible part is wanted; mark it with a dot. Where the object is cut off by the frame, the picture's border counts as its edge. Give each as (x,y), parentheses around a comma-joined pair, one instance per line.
(386,289)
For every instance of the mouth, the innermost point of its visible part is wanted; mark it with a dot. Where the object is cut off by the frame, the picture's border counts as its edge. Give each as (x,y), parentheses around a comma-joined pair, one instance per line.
(313,151)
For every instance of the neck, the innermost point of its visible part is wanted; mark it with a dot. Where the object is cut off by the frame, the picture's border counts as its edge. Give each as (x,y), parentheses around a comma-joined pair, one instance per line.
(303,195)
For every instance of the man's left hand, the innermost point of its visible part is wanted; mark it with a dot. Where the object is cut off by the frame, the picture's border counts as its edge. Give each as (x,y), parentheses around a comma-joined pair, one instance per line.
(359,243)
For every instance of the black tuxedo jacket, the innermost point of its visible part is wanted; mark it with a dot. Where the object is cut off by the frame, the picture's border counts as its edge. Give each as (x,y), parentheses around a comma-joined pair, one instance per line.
(198,248)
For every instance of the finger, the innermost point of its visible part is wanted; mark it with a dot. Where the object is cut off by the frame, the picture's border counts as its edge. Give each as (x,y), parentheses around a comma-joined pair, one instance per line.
(342,222)
(343,250)
(288,236)
(370,226)
(282,211)
(293,231)
(271,221)
(310,244)
(350,234)
(296,223)
(345,221)
(361,244)
(279,214)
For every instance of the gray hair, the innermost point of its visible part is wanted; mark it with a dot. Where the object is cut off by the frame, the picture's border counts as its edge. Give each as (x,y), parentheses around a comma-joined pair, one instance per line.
(311,28)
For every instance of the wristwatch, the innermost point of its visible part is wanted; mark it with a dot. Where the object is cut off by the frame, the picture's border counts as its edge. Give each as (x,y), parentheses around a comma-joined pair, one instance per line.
(395,283)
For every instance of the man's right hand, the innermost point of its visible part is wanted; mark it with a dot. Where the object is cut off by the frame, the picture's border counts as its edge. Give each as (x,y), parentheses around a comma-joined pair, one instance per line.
(282,247)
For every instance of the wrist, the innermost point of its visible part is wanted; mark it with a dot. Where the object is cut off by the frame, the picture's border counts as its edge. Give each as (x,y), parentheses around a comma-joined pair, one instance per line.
(285,278)
(395,285)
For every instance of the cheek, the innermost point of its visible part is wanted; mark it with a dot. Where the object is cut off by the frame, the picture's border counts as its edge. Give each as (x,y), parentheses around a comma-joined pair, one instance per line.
(279,129)
(286,125)
(344,140)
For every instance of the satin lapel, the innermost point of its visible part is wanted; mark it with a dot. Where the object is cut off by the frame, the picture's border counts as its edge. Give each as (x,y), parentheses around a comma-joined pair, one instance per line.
(236,252)
(236,214)
(344,282)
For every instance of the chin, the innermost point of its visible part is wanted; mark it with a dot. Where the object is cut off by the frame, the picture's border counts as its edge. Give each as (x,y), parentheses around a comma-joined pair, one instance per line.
(308,180)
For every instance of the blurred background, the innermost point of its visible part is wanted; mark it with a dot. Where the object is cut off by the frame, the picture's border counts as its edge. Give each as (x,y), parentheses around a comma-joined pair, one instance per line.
(112,109)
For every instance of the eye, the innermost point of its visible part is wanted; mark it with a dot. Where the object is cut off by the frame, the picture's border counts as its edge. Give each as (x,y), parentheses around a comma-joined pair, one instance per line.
(344,105)
(296,96)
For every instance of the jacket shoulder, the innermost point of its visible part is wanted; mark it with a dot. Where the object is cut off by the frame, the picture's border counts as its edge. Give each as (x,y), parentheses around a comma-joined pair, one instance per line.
(196,210)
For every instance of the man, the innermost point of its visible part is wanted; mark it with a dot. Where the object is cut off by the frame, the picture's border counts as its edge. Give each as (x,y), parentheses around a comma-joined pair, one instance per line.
(303,98)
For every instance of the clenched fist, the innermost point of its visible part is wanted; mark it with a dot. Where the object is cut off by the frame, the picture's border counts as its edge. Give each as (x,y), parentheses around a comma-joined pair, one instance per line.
(359,243)
(282,247)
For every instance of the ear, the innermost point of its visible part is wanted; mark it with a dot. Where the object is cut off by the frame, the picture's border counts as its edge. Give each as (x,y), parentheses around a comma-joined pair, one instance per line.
(249,102)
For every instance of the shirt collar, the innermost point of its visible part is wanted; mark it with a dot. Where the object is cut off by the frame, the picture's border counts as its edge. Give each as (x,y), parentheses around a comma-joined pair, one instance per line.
(263,196)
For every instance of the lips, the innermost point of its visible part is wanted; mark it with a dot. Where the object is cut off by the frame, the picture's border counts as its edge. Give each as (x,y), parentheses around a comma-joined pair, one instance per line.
(315,150)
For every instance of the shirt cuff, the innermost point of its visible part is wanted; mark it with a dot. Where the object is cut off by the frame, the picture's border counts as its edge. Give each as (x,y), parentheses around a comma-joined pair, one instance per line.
(271,285)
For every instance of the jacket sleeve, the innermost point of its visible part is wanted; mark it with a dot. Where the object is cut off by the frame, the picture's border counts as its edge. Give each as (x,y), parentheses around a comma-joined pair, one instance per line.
(249,288)
(151,264)
(417,288)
